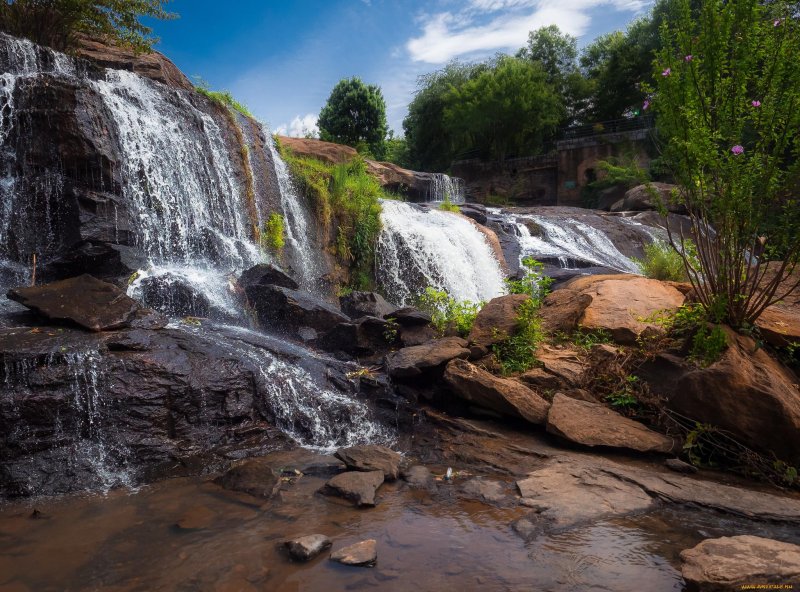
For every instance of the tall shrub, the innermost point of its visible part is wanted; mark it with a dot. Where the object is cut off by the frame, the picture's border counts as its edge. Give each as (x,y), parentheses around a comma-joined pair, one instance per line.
(728,104)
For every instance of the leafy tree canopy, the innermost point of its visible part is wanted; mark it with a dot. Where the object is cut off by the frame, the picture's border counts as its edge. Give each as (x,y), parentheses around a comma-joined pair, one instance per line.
(59,23)
(355,114)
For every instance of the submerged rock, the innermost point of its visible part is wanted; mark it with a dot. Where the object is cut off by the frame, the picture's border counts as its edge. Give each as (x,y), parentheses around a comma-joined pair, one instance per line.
(307,547)
(83,300)
(252,476)
(364,554)
(357,486)
(503,395)
(412,361)
(371,458)
(591,424)
(733,563)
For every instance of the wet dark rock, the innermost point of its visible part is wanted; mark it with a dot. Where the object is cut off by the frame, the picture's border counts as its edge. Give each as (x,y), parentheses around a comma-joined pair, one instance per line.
(412,361)
(266,274)
(290,310)
(497,320)
(364,554)
(252,476)
(149,319)
(416,335)
(371,457)
(503,395)
(84,301)
(365,304)
(677,465)
(307,547)
(366,336)
(734,563)
(176,296)
(475,211)
(409,317)
(591,424)
(357,486)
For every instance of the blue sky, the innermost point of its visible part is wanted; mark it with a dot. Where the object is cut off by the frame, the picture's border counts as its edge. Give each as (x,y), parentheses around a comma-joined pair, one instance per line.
(281,58)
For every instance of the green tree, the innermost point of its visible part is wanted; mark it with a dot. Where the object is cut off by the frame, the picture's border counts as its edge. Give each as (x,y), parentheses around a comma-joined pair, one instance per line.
(59,23)
(507,110)
(431,145)
(728,106)
(355,114)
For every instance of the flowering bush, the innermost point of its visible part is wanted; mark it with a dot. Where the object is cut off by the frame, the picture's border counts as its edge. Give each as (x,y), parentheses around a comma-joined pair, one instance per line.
(728,112)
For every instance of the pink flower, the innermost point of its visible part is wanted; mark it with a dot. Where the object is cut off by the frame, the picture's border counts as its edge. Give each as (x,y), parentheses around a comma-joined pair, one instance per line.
(737,149)
(688,58)
(756,103)
(646,105)
(667,72)
(777,22)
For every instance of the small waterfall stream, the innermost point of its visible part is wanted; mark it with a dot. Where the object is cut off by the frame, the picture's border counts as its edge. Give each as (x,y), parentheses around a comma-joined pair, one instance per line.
(418,248)
(444,187)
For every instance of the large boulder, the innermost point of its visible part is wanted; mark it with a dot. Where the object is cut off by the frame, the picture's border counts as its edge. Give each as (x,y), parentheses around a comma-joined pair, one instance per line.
(747,393)
(624,304)
(252,476)
(562,310)
(365,304)
(503,395)
(83,300)
(357,486)
(265,274)
(293,311)
(497,320)
(733,563)
(366,336)
(650,196)
(590,424)
(410,362)
(780,324)
(371,458)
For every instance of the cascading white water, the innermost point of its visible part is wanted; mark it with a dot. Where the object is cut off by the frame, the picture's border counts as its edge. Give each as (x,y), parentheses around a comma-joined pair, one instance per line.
(569,241)
(444,187)
(304,256)
(418,248)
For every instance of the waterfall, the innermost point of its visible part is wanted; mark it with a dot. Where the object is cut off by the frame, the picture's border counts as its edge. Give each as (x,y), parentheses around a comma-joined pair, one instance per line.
(567,240)
(445,187)
(418,248)
(304,258)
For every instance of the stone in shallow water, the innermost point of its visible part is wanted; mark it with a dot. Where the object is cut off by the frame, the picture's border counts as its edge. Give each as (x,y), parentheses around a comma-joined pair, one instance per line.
(371,458)
(307,547)
(253,476)
(731,563)
(357,486)
(83,300)
(364,554)
(196,518)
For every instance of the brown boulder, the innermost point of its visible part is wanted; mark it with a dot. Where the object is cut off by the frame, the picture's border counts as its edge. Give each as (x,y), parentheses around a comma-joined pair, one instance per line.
(413,361)
(503,395)
(363,554)
(562,309)
(360,487)
(83,300)
(621,304)
(591,424)
(253,476)
(732,563)
(780,324)
(497,320)
(650,196)
(563,363)
(371,458)
(747,393)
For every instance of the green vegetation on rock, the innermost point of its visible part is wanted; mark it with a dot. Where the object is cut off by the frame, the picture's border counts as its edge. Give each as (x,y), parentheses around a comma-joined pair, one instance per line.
(223,97)
(273,235)
(447,313)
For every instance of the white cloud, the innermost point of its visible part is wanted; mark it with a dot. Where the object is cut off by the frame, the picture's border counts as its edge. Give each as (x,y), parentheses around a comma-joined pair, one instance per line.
(299,127)
(447,35)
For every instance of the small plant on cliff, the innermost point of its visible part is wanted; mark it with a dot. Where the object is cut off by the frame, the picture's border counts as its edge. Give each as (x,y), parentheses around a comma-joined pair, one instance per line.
(60,23)
(728,109)
(708,344)
(222,97)
(274,234)
(533,282)
(518,352)
(663,262)
(449,206)
(447,313)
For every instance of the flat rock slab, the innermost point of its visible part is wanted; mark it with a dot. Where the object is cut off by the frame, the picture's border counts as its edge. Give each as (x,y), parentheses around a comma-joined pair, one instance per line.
(83,300)
(503,395)
(591,424)
(357,486)
(490,492)
(371,458)
(363,554)
(413,361)
(307,547)
(732,563)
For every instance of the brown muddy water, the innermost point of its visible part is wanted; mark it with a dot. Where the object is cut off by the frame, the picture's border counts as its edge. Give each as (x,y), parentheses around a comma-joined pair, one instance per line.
(189,534)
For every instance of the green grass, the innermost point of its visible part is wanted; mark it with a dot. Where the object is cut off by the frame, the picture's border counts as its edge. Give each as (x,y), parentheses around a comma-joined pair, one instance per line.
(449,206)
(224,98)
(274,234)
(662,262)
(448,313)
